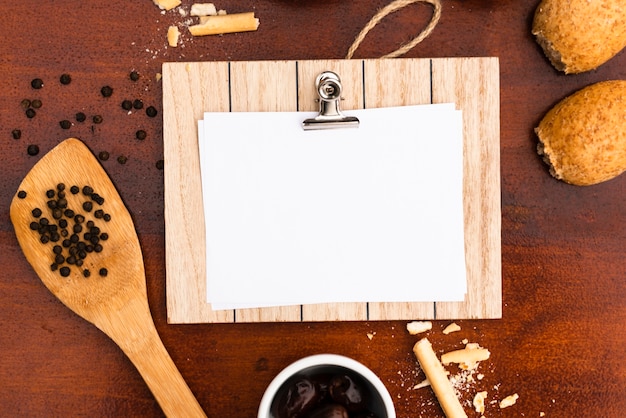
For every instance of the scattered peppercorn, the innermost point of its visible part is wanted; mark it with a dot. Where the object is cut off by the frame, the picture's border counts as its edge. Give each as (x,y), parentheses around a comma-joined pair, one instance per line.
(32,150)
(103,155)
(151,111)
(97,119)
(81,117)
(141,135)
(74,189)
(137,104)
(36,212)
(86,273)
(16,133)
(65,79)
(103,272)
(30,113)
(65,124)
(159,164)
(65,271)
(106,91)
(87,190)
(36,83)
(134,75)
(122,159)
(127,105)
(21,194)
(25,104)
(36,104)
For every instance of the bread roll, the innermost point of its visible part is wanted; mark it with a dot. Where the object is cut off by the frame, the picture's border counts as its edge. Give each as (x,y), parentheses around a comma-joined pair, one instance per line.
(580,35)
(583,137)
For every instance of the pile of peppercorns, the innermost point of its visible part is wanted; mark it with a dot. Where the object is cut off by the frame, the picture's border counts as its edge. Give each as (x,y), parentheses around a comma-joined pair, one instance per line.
(32,106)
(72,236)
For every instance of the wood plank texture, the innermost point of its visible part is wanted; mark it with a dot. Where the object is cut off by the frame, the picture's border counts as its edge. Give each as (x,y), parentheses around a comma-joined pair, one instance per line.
(191,88)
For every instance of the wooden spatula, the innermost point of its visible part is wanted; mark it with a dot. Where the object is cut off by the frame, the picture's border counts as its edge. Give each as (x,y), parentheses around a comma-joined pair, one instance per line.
(94,264)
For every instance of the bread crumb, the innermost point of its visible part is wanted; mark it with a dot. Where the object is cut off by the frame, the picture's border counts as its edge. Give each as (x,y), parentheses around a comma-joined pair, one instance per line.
(167,4)
(423,384)
(453,327)
(417,327)
(158,76)
(203,9)
(542,414)
(479,402)
(172,36)
(509,401)
(370,335)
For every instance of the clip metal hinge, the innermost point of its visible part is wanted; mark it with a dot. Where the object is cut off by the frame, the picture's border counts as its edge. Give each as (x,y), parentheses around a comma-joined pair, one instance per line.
(329,90)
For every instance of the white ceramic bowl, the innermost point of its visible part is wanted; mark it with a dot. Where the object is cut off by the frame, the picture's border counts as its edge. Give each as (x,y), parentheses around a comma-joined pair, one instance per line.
(380,401)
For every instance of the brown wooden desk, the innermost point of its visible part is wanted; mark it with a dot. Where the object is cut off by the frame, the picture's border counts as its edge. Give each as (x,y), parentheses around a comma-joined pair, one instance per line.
(561,344)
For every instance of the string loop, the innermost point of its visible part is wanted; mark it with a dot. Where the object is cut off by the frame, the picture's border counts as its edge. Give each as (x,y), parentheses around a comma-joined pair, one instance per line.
(393,7)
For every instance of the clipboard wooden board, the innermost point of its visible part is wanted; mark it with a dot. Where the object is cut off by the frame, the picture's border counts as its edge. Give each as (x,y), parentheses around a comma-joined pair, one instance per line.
(190,89)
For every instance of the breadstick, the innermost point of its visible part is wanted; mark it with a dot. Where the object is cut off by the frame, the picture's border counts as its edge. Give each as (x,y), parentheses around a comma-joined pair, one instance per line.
(216,25)
(436,374)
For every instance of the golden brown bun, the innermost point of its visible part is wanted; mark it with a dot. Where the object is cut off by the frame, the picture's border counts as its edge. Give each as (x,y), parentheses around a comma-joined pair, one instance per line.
(583,137)
(580,35)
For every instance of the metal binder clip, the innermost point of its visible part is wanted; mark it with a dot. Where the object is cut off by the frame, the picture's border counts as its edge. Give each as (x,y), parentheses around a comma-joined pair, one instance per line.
(329,89)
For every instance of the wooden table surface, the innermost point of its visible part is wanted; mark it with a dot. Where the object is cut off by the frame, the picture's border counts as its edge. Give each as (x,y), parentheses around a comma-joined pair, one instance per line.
(561,344)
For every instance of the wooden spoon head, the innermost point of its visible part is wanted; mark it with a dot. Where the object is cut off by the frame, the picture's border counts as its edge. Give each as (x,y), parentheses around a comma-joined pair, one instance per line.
(95,297)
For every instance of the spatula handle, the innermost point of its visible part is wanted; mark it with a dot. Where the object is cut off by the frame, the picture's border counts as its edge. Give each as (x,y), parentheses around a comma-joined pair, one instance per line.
(165,381)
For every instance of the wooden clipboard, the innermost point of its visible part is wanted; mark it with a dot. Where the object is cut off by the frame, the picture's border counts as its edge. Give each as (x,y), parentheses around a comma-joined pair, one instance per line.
(190,89)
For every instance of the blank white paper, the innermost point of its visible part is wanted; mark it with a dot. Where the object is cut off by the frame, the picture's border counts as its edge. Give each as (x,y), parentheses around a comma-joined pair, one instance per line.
(373,214)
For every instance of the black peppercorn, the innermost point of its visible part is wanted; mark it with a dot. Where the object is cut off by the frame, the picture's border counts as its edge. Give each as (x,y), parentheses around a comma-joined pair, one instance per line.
(87,190)
(134,75)
(25,104)
(80,117)
(86,273)
(16,133)
(103,272)
(137,104)
(106,217)
(36,83)
(36,104)
(65,124)
(50,194)
(32,150)
(98,214)
(97,119)
(74,189)
(106,91)
(21,194)
(141,135)
(30,113)
(127,105)
(65,79)
(36,212)
(122,159)
(151,111)
(87,206)
(103,155)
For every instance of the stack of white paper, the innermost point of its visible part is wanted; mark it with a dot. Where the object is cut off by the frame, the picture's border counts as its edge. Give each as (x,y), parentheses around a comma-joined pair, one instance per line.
(373,214)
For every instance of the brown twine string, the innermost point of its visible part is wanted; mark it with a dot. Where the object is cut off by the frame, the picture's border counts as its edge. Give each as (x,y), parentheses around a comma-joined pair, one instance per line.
(393,7)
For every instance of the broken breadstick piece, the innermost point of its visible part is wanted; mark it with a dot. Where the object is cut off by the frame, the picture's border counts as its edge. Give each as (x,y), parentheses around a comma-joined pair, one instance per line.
(436,374)
(417,327)
(453,327)
(167,4)
(479,402)
(217,25)
(172,36)
(467,358)
(509,401)
(203,9)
